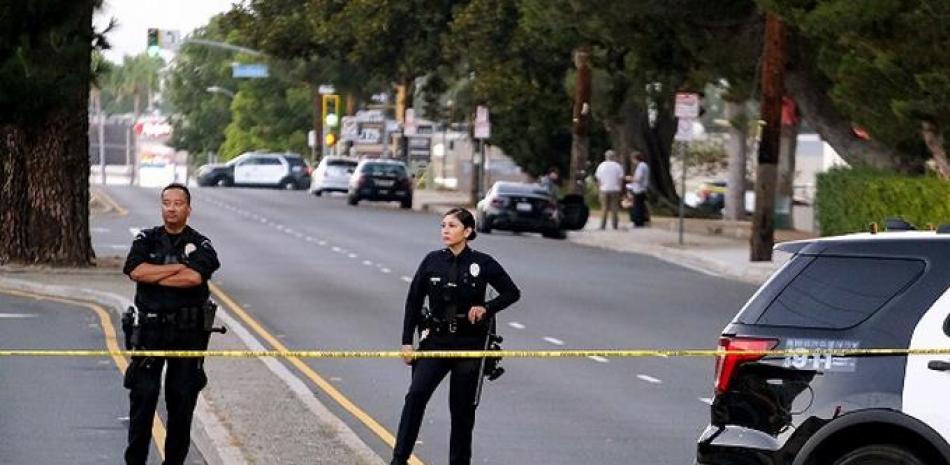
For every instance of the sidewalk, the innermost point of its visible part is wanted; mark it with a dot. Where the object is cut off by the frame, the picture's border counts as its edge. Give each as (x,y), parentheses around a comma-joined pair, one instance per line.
(715,247)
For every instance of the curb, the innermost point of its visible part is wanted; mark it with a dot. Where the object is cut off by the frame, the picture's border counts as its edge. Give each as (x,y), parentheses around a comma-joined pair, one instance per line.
(208,433)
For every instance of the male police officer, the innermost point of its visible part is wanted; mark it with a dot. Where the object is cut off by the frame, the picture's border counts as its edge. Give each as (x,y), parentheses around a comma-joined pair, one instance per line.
(171,265)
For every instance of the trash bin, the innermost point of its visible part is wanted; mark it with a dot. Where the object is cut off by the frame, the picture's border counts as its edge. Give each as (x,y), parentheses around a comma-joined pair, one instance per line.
(574,212)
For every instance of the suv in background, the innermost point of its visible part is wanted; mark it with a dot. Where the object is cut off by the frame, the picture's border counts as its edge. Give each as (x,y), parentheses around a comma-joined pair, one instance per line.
(332,175)
(379,179)
(862,291)
(284,170)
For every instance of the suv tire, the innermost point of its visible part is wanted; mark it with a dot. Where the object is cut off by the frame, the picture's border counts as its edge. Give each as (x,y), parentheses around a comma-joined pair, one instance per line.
(223,181)
(482,225)
(555,234)
(406,203)
(317,192)
(883,454)
(353,200)
(288,185)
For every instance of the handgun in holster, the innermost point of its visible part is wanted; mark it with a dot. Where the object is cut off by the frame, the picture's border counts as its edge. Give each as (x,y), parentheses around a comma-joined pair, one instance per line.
(131,328)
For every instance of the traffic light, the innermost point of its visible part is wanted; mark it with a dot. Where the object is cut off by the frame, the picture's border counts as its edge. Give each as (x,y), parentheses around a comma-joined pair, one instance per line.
(330,139)
(152,37)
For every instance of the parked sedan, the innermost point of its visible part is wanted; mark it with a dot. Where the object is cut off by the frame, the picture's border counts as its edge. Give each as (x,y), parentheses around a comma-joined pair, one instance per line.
(332,175)
(379,179)
(519,207)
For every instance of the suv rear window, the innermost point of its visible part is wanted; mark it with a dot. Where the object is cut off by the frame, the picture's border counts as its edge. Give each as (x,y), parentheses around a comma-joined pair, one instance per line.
(383,169)
(296,161)
(345,163)
(832,292)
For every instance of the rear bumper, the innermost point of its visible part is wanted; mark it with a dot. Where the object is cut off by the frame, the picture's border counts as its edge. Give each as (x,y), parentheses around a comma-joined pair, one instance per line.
(371,193)
(735,445)
(515,222)
(329,185)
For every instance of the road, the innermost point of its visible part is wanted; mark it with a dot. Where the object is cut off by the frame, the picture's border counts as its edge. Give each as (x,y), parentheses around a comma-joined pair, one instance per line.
(319,274)
(59,411)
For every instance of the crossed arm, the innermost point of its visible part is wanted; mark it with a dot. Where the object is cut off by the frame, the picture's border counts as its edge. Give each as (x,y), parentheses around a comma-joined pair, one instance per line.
(173,275)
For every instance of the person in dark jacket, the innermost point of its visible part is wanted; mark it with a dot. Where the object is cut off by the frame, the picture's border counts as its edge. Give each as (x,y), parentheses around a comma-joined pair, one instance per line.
(458,317)
(171,265)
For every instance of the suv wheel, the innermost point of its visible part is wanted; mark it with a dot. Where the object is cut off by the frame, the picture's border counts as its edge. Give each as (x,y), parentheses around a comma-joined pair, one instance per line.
(481,225)
(555,234)
(223,181)
(352,200)
(406,203)
(317,192)
(288,184)
(879,455)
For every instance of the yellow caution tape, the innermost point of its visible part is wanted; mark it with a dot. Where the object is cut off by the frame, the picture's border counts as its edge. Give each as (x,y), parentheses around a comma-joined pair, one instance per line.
(358,354)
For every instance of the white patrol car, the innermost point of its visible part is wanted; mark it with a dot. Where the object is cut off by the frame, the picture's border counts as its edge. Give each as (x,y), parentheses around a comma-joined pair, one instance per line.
(865,291)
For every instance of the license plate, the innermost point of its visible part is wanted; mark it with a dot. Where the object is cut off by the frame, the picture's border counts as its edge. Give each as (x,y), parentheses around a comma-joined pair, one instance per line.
(382,183)
(384,192)
(523,207)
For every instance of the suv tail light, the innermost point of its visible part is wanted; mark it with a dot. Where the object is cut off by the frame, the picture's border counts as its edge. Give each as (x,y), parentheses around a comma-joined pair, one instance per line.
(361,180)
(726,364)
(498,202)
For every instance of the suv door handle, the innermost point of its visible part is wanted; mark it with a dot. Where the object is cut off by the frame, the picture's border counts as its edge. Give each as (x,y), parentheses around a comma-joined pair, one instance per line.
(938,365)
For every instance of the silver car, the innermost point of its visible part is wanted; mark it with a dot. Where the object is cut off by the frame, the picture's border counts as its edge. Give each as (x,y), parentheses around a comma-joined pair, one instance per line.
(332,175)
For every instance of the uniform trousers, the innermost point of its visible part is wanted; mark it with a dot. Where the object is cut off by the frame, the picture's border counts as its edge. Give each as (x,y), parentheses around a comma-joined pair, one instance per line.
(427,374)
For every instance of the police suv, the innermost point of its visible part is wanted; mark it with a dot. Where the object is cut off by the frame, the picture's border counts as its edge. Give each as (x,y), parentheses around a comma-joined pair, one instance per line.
(864,291)
(283,170)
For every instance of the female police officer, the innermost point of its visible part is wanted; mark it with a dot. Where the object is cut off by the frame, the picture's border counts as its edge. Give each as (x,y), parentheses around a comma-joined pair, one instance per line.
(454,280)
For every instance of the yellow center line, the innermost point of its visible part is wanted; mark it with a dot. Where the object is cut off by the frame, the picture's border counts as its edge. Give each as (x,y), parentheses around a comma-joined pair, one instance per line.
(112,203)
(327,388)
(105,321)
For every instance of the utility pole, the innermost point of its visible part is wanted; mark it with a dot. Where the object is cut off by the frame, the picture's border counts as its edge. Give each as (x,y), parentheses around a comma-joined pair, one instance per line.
(580,145)
(101,136)
(773,88)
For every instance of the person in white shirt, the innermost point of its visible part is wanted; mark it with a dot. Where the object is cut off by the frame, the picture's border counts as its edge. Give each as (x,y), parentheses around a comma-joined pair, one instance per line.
(639,213)
(609,177)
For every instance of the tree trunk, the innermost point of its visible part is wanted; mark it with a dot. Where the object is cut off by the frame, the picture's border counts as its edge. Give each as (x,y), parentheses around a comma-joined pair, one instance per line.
(656,143)
(808,87)
(44,178)
(785,182)
(580,144)
(933,137)
(737,148)
(763,220)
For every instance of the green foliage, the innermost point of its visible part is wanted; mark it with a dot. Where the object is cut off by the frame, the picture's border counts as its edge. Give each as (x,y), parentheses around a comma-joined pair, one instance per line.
(848,200)
(886,61)
(126,87)
(268,114)
(201,116)
(40,42)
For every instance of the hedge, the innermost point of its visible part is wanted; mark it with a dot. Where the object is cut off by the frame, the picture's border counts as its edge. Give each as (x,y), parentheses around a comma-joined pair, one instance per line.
(848,200)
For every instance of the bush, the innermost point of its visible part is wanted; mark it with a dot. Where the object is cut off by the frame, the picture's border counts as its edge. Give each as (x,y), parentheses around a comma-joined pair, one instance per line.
(848,200)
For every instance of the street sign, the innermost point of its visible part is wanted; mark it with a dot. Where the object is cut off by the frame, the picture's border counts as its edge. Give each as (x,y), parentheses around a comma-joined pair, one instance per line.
(311,138)
(249,71)
(684,130)
(409,124)
(482,123)
(349,128)
(326,89)
(687,105)
(169,39)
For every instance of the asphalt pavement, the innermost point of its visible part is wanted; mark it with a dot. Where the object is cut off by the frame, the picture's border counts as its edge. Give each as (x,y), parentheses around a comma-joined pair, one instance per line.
(319,274)
(56,410)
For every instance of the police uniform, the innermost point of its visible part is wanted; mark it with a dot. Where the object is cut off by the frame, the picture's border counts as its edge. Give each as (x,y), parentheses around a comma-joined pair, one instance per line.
(453,285)
(168,318)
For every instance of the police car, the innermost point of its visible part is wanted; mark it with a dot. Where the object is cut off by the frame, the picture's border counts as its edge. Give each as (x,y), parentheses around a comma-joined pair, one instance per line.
(865,291)
(283,170)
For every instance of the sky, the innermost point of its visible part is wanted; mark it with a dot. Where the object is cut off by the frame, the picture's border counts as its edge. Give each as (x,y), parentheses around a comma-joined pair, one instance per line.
(134,17)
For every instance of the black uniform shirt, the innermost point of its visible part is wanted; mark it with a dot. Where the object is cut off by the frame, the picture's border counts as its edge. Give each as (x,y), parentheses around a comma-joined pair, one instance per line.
(456,284)
(157,247)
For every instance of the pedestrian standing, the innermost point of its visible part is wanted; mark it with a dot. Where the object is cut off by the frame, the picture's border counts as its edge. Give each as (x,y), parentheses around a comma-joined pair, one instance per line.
(551,181)
(454,280)
(609,177)
(640,183)
(171,265)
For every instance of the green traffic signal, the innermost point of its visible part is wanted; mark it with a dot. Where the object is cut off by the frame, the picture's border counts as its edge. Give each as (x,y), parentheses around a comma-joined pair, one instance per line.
(153,37)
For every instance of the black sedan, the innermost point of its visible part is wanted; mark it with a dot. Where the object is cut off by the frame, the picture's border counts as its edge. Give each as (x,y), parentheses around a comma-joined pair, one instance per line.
(520,207)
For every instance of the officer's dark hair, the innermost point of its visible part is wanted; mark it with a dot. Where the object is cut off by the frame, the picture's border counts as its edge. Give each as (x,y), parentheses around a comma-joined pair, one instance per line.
(180,187)
(465,217)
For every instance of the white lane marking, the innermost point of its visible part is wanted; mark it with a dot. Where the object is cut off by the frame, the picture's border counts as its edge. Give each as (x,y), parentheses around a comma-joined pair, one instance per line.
(554,341)
(322,243)
(264,220)
(599,359)
(135,231)
(516,325)
(309,239)
(117,246)
(385,270)
(336,379)
(280,227)
(706,400)
(365,262)
(299,235)
(337,249)
(406,279)
(17,315)
(99,230)
(650,379)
